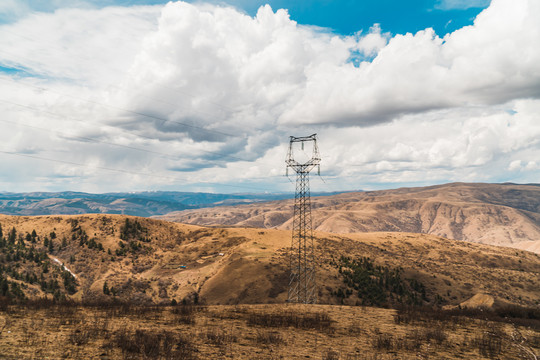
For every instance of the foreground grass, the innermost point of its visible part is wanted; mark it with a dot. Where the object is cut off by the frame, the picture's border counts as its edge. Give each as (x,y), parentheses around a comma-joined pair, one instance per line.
(39,331)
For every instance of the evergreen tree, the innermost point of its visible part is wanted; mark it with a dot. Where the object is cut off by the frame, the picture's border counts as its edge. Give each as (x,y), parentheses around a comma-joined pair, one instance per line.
(12,236)
(106,290)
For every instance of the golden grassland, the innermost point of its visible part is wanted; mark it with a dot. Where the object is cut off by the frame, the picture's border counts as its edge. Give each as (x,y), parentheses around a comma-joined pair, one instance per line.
(42,330)
(239,278)
(246,265)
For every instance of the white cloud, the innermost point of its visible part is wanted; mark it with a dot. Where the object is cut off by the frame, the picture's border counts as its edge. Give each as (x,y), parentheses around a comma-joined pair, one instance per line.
(213,94)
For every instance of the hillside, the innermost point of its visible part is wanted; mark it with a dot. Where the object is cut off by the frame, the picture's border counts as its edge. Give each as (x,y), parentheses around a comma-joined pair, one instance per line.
(145,260)
(496,214)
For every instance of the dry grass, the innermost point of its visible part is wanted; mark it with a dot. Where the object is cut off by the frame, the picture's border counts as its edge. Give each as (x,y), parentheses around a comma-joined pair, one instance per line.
(237,265)
(253,331)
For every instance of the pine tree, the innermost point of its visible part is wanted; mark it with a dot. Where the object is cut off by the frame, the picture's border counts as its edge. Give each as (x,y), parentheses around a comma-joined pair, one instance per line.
(12,236)
(106,290)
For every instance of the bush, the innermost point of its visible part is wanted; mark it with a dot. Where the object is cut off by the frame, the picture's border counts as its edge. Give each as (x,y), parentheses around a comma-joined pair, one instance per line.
(316,321)
(269,338)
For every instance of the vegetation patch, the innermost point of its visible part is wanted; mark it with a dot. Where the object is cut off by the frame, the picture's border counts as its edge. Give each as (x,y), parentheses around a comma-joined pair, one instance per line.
(377,285)
(315,321)
(25,266)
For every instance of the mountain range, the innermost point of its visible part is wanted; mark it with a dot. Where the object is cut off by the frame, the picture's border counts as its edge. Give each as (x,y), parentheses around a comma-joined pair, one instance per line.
(495,214)
(148,203)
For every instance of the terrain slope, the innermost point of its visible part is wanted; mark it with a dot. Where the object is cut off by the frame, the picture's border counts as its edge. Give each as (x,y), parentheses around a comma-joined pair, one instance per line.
(495,214)
(153,261)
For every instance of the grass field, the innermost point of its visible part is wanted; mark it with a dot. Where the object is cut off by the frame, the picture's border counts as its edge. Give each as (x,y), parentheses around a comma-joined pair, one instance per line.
(42,330)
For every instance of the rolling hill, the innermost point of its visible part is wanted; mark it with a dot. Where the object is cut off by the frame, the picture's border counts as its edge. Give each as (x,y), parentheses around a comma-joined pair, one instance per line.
(495,214)
(153,261)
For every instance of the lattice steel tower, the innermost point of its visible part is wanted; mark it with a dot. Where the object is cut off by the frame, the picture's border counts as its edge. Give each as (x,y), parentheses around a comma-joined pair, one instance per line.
(302,285)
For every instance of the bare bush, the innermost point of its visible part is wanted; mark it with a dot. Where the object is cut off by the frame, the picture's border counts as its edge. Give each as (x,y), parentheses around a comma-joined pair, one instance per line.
(79,337)
(269,338)
(185,314)
(219,337)
(316,321)
(490,343)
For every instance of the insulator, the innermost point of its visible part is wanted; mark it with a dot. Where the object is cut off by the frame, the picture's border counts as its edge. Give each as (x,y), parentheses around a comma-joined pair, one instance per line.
(319,170)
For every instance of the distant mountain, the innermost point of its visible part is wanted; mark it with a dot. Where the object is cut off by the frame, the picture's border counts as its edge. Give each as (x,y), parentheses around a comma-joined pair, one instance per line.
(146,204)
(496,214)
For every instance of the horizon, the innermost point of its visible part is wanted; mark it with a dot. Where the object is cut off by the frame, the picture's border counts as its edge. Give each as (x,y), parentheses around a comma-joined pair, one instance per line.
(107,96)
(318,193)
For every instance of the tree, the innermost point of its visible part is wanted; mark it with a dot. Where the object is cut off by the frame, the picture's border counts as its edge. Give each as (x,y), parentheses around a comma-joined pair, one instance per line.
(106,290)
(51,246)
(1,234)
(12,236)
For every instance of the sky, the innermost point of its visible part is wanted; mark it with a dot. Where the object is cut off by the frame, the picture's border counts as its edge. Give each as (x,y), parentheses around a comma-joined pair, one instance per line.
(142,95)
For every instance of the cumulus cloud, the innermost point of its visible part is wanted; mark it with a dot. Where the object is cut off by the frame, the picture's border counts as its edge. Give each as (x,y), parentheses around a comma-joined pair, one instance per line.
(199,92)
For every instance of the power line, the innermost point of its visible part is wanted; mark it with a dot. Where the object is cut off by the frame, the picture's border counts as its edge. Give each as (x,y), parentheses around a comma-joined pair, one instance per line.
(127,171)
(163,120)
(82,138)
(104,142)
(40,41)
(224,107)
(113,144)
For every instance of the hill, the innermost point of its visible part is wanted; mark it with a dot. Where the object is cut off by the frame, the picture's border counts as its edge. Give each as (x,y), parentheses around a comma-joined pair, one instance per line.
(495,214)
(152,261)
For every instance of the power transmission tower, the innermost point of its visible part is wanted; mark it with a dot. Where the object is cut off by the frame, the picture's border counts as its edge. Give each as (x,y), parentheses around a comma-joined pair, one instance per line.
(302,285)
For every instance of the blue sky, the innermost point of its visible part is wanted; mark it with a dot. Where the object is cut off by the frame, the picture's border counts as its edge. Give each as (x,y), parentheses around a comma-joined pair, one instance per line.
(191,96)
(343,16)
(398,17)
